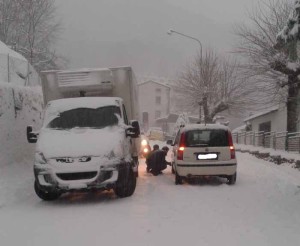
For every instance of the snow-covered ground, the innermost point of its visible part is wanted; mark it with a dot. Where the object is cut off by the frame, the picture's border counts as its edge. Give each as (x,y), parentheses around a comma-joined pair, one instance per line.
(261,209)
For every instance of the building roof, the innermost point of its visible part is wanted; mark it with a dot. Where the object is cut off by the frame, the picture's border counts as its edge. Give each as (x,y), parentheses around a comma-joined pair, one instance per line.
(152,81)
(239,129)
(267,111)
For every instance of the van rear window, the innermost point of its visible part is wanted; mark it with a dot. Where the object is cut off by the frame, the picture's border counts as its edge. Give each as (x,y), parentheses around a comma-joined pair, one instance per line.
(207,138)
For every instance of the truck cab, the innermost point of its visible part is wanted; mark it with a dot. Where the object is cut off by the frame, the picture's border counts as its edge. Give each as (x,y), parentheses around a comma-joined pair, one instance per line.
(85,142)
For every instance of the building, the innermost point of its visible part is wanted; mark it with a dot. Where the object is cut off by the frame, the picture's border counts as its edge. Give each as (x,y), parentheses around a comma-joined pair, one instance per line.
(273,119)
(154,102)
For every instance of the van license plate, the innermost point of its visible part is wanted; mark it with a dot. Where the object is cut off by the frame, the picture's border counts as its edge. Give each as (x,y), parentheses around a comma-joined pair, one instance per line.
(207,156)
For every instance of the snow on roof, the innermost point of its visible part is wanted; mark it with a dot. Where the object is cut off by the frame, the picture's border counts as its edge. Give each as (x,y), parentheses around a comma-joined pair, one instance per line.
(4,49)
(205,126)
(152,81)
(239,129)
(82,102)
(268,111)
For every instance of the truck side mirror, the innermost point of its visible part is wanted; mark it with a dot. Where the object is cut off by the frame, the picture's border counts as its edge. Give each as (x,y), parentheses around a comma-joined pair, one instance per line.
(31,136)
(134,130)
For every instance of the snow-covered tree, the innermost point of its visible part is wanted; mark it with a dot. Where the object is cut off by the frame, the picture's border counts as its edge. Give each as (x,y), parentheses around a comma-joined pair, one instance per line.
(8,20)
(182,120)
(32,28)
(213,85)
(269,45)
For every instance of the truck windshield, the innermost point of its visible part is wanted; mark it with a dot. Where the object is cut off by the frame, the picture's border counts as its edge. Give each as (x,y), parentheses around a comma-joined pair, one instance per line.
(86,117)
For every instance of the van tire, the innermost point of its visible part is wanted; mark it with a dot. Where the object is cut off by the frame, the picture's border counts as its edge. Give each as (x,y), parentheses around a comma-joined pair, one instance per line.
(44,195)
(126,183)
(178,179)
(232,179)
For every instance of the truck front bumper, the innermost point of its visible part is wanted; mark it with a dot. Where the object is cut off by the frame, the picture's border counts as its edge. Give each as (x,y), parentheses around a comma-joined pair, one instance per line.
(50,179)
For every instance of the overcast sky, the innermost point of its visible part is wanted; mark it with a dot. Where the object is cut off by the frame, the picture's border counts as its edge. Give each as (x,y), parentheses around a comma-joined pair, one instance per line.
(219,10)
(104,33)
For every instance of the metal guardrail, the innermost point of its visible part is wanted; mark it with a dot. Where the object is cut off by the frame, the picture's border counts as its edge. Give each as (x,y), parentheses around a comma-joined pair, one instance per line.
(275,140)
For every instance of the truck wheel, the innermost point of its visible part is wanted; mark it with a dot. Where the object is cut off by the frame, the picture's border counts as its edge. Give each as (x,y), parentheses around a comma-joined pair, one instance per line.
(178,179)
(232,179)
(126,183)
(44,195)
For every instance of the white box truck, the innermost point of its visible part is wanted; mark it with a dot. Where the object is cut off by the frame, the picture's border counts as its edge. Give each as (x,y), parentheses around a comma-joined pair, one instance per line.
(89,133)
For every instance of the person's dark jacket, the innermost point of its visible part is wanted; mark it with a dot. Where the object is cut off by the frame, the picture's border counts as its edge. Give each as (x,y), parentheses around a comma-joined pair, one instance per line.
(157,161)
(148,160)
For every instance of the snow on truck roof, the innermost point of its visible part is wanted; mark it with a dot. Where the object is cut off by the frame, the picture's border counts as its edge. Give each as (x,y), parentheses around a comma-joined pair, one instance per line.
(83,102)
(205,126)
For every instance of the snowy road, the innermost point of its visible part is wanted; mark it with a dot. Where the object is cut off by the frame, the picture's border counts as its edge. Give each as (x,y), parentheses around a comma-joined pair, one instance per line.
(263,208)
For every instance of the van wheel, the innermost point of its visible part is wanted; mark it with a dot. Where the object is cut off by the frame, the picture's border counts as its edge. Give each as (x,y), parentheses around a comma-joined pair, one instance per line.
(44,195)
(178,179)
(232,179)
(126,183)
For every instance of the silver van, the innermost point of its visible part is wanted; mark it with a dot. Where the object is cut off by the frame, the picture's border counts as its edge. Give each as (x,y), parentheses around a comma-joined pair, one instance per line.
(204,150)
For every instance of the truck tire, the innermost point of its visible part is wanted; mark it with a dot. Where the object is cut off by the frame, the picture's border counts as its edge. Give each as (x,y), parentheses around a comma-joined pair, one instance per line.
(46,196)
(126,183)
(232,179)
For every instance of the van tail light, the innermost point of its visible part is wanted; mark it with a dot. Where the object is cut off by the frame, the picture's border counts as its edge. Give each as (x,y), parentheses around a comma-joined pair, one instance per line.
(231,147)
(181,147)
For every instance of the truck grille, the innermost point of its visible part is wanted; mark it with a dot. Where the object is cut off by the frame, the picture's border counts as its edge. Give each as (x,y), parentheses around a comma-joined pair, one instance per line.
(76,176)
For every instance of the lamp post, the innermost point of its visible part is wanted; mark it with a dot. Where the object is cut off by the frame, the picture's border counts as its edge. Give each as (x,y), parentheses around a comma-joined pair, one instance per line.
(170,32)
(200,105)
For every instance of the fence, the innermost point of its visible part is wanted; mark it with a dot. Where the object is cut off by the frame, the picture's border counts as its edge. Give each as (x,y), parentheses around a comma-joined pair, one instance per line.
(17,71)
(275,140)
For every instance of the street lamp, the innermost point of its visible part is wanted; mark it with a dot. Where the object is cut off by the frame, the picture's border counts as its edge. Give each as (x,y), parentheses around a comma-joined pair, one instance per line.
(170,32)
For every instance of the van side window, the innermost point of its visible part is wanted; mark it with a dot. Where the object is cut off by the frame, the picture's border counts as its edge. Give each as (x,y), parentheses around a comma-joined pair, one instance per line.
(125,116)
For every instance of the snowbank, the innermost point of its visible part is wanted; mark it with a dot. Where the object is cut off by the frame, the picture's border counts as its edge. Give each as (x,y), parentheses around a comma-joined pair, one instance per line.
(14,68)
(6,50)
(19,106)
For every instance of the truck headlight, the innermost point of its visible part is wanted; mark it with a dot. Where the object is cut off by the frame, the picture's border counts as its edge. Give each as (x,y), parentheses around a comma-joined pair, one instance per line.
(40,158)
(144,142)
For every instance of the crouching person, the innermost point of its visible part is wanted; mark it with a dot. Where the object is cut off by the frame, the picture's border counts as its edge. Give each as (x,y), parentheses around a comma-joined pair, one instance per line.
(148,162)
(157,161)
